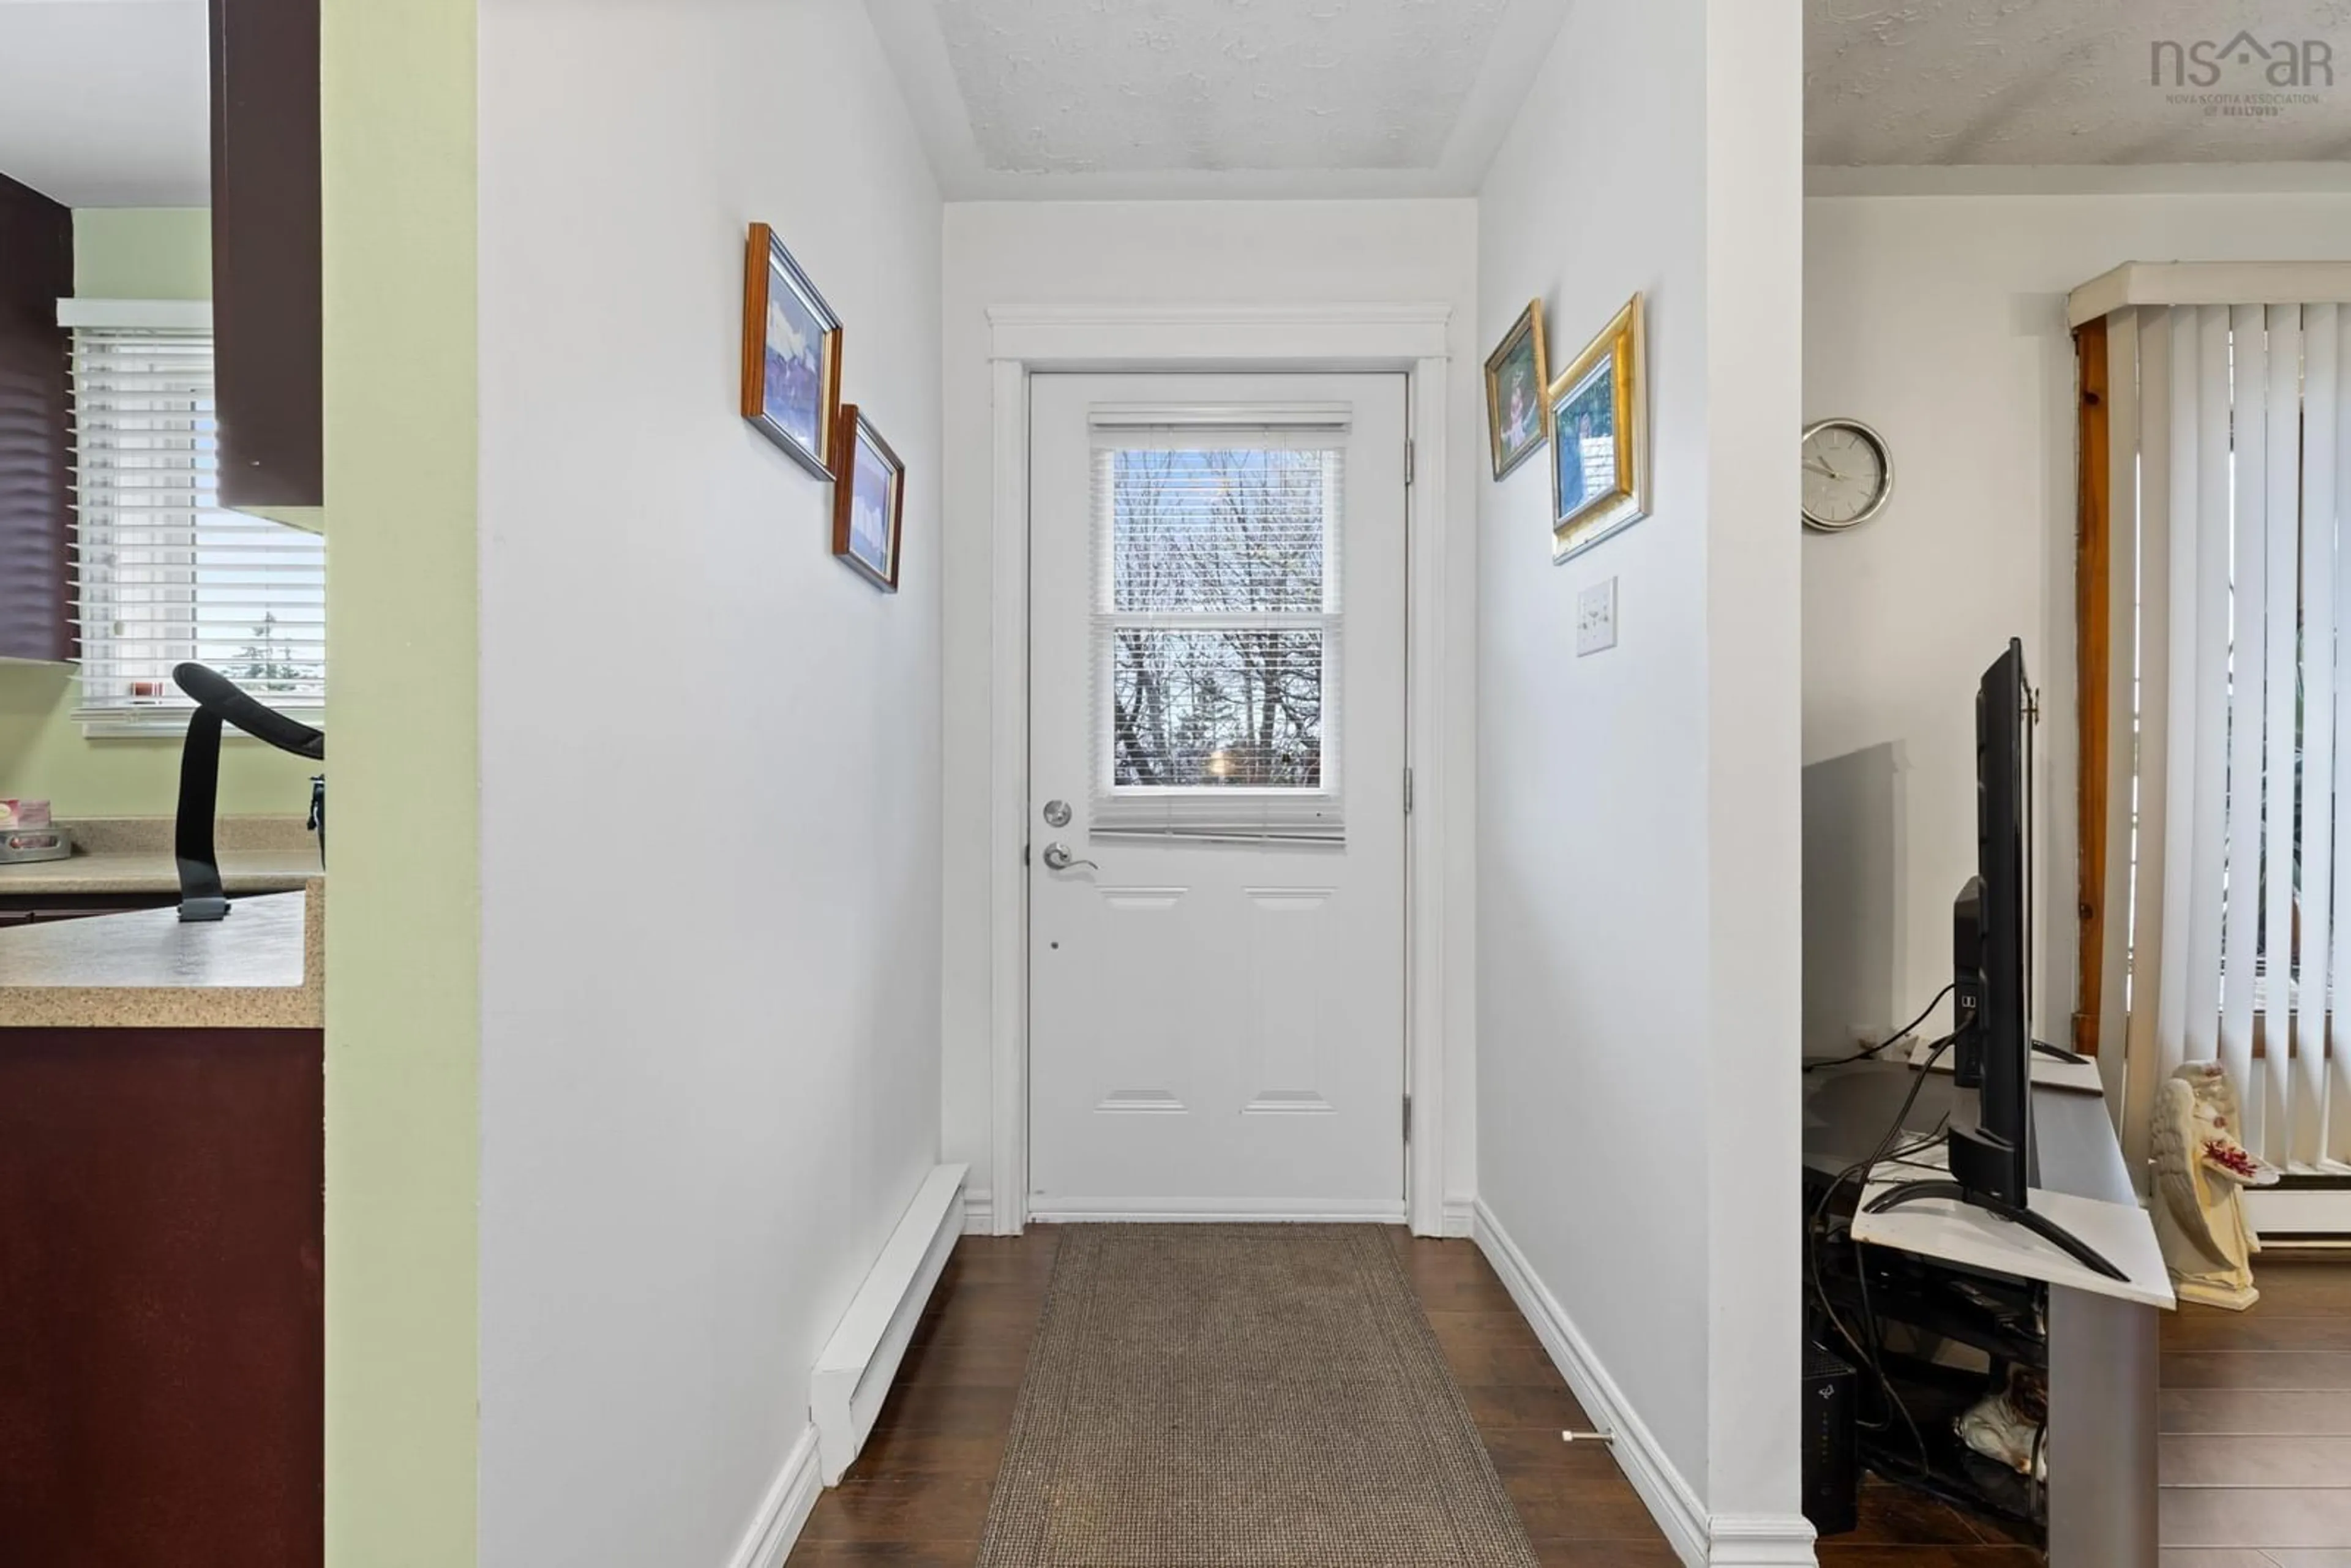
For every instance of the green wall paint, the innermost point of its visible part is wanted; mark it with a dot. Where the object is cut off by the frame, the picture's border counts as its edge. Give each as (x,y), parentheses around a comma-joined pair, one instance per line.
(43,755)
(143,253)
(403,1028)
(127,253)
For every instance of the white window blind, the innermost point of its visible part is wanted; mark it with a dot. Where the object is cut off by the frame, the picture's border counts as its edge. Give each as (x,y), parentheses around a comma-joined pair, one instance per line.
(162,574)
(1217,627)
(2235,474)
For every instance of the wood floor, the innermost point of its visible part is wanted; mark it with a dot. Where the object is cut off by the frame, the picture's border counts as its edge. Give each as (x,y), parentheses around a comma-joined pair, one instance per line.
(2233,1385)
(2255,1454)
(917,1496)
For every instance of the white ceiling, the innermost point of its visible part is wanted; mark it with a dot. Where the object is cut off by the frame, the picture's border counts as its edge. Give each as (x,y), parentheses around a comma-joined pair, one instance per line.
(1177,98)
(105,103)
(2059,82)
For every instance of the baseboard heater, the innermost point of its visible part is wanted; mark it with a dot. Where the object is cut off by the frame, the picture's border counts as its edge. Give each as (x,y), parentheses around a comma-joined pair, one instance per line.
(854,1375)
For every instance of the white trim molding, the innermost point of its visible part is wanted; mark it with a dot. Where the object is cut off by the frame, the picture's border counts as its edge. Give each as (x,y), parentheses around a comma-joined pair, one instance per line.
(1212,337)
(1701,1540)
(1441,673)
(2281,1214)
(1672,1501)
(1216,1211)
(853,1374)
(977,1215)
(137,315)
(776,1524)
(2210,283)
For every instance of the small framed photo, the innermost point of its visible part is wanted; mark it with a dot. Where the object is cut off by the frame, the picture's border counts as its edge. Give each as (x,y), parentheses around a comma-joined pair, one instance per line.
(1516,383)
(792,355)
(869,500)
(1599,437)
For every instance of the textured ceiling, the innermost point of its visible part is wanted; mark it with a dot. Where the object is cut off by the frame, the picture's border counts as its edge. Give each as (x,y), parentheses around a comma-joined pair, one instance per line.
(2068,82)
(1105,85)
(1128,97)
(105,103)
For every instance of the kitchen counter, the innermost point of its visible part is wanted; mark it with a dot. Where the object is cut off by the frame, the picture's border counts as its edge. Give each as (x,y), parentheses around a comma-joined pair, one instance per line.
(133,856)
(262,967)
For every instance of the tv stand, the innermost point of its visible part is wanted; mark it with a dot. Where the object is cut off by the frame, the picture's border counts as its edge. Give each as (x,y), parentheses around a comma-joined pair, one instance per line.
(2048,1229)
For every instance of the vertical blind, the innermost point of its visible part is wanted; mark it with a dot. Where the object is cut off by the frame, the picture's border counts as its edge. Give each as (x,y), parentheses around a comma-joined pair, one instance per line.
(162,573)
(2236,459)
(1216,627)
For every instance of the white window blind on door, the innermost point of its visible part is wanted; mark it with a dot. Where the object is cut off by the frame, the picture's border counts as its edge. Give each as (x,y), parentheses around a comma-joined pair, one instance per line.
(1217,625)
(2237,467)
(162,574)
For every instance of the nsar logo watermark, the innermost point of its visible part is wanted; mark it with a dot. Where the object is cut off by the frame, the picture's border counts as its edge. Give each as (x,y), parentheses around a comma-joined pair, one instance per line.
(2243,77)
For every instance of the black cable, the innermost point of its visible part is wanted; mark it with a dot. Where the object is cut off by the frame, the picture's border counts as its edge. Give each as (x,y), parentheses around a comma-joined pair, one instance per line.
(1888,1148)
(1869,1052)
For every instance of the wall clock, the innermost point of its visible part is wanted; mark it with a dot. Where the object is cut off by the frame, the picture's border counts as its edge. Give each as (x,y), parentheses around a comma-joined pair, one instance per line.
(1848,473)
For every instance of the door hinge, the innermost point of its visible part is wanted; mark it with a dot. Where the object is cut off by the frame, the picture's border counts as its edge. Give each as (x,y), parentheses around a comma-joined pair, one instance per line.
(1407,791)
(1024,854)
(1408,462)
(1407,1119)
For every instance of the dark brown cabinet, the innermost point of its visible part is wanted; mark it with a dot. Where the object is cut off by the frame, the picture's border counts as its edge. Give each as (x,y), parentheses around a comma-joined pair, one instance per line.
(266,249)
(162,1343)
(35,457)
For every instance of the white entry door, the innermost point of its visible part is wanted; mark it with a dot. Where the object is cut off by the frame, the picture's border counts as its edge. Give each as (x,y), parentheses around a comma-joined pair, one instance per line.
(1217,755)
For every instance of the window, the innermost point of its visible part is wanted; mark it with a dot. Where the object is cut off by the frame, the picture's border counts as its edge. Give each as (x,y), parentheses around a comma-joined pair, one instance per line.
(2228,708)
(1217,622)
(162,574)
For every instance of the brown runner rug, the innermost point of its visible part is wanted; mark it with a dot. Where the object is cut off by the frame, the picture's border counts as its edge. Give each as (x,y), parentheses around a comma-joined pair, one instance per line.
(1242,1396)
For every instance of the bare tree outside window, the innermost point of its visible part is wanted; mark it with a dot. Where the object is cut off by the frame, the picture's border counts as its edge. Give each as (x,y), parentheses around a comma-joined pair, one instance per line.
(1219,592)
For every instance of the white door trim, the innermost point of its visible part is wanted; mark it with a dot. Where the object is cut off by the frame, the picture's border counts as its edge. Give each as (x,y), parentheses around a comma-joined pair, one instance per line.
(1441,676)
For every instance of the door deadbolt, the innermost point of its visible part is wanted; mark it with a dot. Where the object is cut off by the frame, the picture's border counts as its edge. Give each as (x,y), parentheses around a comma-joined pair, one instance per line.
(1057,814)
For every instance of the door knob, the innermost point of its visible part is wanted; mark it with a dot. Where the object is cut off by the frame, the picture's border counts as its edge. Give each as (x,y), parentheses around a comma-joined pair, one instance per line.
(1058,858)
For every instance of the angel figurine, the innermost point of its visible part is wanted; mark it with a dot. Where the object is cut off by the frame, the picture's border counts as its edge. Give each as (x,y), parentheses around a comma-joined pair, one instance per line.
(2202,1171)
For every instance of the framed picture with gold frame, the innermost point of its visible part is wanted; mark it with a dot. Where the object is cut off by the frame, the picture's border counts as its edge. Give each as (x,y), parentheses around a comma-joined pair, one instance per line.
(792,355)
(1599,437)
(1517,416)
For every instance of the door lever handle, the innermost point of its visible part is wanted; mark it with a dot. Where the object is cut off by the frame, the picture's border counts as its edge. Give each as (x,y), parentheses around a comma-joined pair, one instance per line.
(1058,858)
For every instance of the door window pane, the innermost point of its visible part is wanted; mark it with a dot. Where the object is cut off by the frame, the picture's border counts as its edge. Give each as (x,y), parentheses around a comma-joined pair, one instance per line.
(1218,530)
(1217,709)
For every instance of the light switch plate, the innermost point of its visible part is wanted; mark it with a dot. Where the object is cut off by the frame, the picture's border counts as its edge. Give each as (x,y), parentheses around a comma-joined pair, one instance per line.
(1595,618)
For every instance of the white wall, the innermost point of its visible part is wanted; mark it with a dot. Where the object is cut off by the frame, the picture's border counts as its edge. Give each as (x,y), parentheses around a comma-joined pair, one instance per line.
(1057,253)
(1638,810)
(710,767)
(1940,320)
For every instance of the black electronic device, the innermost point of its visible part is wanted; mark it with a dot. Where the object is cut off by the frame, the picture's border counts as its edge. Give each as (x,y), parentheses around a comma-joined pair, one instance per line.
(1991,1120)
(1832,1460)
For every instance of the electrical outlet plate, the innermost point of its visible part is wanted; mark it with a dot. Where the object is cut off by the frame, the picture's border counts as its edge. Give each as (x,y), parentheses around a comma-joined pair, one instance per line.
(1595,618)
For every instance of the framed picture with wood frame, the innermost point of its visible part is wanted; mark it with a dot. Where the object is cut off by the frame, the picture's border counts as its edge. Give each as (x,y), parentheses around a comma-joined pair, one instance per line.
(792,355)
(1516,385)
(869,500)
(1599,437)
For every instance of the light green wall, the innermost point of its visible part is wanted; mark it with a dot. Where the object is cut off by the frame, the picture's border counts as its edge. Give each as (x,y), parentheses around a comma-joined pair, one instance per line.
(143,253)
(127,253)
(43,755)
(403,1028)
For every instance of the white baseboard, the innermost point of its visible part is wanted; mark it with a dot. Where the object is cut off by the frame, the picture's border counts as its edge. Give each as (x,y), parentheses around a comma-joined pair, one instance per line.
(1460,1216)
(852,1375)
(1760,1540)
(1221,1210)
(783,1510)
(2284,1213)
(1728,1542)
(978,1215)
